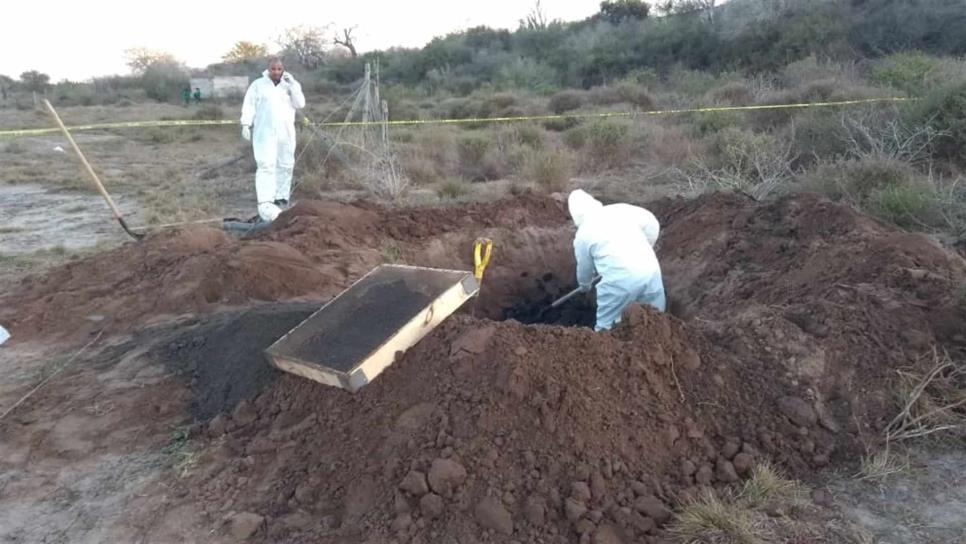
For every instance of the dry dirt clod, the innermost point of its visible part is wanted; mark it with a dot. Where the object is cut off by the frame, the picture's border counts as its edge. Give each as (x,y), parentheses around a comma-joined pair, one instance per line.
(245,524)
(491,514)
(445,475)
(414,483)
(431,505)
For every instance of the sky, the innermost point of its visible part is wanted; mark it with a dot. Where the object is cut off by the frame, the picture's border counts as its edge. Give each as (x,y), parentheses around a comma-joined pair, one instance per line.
(80,39)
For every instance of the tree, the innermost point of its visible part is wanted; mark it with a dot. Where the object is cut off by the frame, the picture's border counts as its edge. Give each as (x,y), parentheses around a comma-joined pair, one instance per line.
(140,58)
(35,81)
(245,50)
(347,41)
(305,43)
(681,7)
(536,19)
(616,11)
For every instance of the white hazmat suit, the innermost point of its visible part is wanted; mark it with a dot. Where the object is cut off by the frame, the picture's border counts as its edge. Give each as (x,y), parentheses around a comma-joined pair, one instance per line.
(269,111)
(618,242)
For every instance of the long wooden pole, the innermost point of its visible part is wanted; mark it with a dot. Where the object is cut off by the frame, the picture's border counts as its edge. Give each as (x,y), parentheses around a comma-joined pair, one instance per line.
(90,171)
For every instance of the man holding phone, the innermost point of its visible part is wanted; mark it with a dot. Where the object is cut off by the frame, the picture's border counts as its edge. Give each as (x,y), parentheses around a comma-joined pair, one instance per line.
(268,122)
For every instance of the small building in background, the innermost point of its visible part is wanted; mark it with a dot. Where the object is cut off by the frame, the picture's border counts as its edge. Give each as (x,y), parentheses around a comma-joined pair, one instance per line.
(220,86)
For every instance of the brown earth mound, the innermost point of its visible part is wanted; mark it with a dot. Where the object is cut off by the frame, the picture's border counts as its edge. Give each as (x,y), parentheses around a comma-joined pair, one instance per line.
(796,314)
(314,250)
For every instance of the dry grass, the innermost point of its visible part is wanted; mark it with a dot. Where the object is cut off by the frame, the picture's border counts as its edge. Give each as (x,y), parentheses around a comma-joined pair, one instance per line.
(934,402)
(768,485)
(551,169)
(709,518)
(879,466)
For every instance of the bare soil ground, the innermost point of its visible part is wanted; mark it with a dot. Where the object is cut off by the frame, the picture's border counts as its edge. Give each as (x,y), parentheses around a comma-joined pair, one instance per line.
(790,319)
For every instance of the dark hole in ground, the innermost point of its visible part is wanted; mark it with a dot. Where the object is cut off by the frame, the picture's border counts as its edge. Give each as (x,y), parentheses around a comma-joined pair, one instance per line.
(579,311)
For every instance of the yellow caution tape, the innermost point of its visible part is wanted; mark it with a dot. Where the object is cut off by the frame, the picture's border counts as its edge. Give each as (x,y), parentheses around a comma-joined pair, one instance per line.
(410,122)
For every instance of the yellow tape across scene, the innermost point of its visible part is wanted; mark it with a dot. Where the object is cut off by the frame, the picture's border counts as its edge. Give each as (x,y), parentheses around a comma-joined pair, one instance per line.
(411,122)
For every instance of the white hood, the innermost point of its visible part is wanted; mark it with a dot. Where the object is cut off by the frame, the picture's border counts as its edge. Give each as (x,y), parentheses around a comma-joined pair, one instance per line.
(580,204)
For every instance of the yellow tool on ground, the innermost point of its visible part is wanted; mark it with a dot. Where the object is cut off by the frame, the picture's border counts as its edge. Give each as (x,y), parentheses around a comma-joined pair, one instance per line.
(482,249)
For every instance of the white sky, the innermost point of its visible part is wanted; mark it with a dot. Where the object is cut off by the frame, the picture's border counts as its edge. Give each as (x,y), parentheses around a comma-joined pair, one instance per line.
(78,39)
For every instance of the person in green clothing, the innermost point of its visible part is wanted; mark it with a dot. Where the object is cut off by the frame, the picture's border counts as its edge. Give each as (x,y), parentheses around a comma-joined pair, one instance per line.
(186,96)
(197,95)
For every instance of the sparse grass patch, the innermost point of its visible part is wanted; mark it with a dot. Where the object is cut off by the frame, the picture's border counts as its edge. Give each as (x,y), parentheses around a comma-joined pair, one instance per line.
(453,189)
(14,147)
(181,454)
(161,136)
(209,112)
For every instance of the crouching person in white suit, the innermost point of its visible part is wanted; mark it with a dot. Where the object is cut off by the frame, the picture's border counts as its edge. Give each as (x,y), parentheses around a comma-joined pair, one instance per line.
(617,241)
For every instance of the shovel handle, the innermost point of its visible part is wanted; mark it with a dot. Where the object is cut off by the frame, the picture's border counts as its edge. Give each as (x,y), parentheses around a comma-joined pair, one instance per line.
(572,294)
(91,173)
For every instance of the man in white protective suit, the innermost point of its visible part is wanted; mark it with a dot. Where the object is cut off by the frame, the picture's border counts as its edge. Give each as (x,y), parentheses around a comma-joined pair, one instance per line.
(268,121)
(617,241)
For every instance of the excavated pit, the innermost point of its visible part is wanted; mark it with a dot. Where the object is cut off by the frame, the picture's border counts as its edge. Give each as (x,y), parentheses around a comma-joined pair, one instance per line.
(579,311)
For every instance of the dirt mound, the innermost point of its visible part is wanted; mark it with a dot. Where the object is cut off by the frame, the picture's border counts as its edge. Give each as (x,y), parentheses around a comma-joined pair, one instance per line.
(792,317)
(479,410)
(797,314)
(314,250)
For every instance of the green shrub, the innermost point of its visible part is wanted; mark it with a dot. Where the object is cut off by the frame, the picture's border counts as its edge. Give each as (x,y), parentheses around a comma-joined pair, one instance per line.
(856,180)
(473,147)
(819,134)
(576,137)
(164,81)
(944,109)
(905,71)
(565,101)
(606,135)
(530,135)
(910,205)
(608,143)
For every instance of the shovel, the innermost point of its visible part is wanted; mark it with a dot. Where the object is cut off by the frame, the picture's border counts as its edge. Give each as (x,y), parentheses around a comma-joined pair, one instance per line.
(566,297)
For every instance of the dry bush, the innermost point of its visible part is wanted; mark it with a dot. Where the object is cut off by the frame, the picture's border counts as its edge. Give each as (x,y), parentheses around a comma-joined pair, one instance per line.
(734,93)
(668,145)
(565,101)
(755,163)
(550,169)
(419,168)
(932,402)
